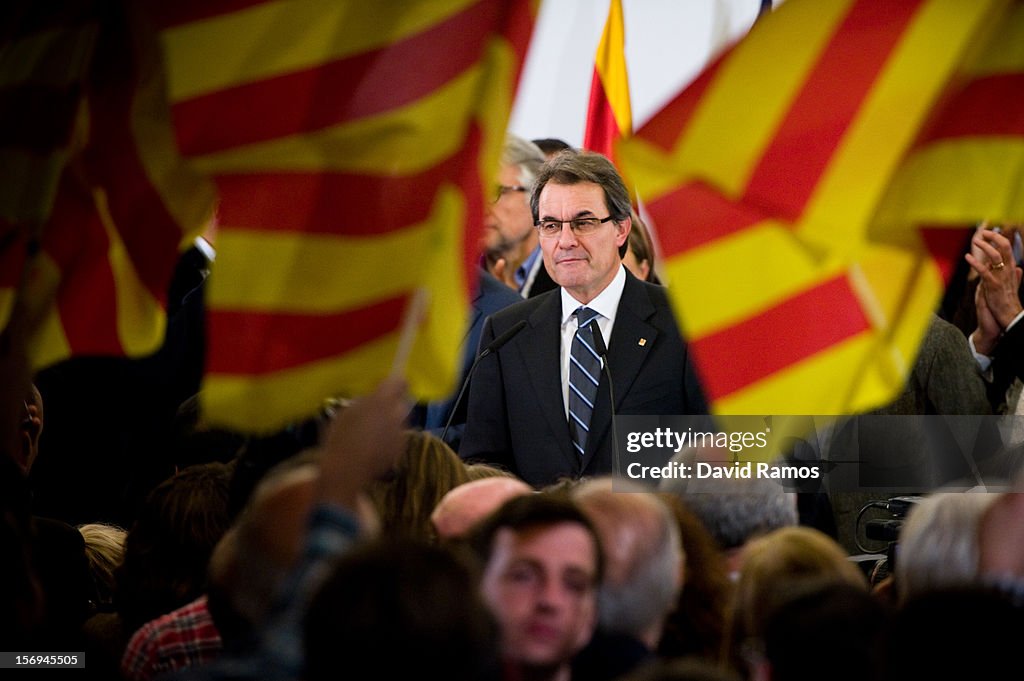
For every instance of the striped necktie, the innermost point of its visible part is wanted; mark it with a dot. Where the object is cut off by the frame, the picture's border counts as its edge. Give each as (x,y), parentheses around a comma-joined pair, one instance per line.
(584,376)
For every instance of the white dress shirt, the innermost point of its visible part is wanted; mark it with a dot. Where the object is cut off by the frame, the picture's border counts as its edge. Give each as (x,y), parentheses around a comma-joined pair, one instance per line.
(606,304)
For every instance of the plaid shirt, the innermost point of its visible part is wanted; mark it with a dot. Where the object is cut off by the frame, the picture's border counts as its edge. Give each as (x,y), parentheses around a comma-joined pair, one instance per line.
(185,637)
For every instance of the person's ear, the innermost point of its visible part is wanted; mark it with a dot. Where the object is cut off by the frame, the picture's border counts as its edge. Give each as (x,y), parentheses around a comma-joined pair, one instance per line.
(32,423)
(623,228)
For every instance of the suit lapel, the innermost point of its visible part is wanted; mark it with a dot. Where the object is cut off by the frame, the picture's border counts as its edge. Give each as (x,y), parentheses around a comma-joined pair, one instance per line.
(632,338)
(540,350)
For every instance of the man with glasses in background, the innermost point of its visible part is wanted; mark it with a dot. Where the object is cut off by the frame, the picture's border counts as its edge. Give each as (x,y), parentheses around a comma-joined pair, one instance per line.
(540,405)
(511,248)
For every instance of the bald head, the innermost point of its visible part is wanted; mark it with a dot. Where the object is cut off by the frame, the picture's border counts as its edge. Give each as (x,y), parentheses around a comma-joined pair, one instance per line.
(644,556)
(468,504)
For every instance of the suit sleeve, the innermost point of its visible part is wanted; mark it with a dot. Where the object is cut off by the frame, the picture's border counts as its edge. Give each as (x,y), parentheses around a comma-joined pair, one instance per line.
(486,438)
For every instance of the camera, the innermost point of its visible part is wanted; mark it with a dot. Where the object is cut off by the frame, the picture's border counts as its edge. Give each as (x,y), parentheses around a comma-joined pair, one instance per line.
(888,529)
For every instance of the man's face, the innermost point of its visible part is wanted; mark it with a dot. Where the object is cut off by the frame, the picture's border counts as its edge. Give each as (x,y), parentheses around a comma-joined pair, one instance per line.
(540,585)
(583,265)
(508,220)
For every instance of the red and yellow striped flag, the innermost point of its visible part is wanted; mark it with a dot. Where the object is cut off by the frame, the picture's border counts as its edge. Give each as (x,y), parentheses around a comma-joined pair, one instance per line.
(791,182)
(351,144)
(609,115)
(92,176)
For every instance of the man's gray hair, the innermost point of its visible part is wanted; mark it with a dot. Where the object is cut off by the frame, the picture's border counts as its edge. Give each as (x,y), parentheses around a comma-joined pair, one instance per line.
(735,510)
(524,154)
(651,589)
(573,167)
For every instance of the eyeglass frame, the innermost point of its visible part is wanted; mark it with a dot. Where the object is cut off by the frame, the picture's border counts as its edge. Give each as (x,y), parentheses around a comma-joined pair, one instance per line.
(503,189)
(573,223)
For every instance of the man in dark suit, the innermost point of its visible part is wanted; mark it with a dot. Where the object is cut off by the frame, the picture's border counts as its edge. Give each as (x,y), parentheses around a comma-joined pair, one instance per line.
(540,406)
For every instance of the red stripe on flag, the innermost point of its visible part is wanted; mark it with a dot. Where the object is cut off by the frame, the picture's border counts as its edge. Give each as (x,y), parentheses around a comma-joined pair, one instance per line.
(984,107)
(946,246)
(265,342)
(335,203)
(336,92)
(665,128)
(696,214)
(516,26)
(169,14)
(86,298)
(473,192)
(602,129)
(767,343)
(828,102)
(150,233)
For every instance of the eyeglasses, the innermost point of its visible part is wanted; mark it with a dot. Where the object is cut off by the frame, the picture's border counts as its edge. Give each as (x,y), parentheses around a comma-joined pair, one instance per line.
(503,189)
(580,226)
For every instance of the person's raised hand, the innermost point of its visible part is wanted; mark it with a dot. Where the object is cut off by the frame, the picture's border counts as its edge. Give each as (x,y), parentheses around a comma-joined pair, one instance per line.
(363,442)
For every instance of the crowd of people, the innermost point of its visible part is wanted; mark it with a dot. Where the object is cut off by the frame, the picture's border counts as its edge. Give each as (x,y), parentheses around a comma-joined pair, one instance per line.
(490,538)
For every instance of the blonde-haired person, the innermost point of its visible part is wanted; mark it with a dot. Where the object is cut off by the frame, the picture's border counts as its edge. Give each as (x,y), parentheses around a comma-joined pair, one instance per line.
(104,549)
(771,565)
(427,470)
(482,471)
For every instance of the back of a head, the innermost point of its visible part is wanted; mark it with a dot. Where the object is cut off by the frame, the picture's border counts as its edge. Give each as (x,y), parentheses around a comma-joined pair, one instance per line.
(956,633)
(104,548)
(938,545)
(550,146)
(481,471)
(644,570)
(525,155)
(773,560)
(168,548)
(403,609)
(817,624)
(468,504)
(697,625)
(735,510)
(426,472)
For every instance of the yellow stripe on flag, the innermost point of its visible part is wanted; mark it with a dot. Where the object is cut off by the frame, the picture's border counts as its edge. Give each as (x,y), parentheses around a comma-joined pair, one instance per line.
(746,291)
(275,38)
(1005,54)
(889,119)
(727,134)
(316,273)
(957,182)
(141,321)
(400,142)
(47,339)
(245,401)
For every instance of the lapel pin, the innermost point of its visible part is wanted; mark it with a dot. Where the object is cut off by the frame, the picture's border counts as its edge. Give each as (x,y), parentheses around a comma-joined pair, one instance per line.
(642,342)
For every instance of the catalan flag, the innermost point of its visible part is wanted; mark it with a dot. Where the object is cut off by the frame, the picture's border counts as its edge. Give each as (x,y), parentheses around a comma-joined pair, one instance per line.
(609,115)
(96,201)
(804,185)
(351,144)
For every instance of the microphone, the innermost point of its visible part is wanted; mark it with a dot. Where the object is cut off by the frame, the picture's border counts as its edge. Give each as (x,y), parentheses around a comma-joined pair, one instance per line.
(491,348)
(602,350)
